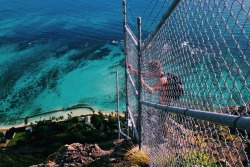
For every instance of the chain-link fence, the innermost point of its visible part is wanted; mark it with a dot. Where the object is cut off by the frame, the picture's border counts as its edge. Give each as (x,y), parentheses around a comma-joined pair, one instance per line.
(132,93)
(194,102)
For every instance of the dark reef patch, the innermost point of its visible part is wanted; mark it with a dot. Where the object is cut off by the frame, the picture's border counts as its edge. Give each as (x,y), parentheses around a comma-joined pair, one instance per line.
(116,55)
(111,68)
(8,80)
(83,54)
(31,57)
(114,44)
(16,70)
(53,76)
(112,73)
(100,55)
(122,63)
(76,57)
(76,44)
(115,66)
(60,53)
(24,95)
(23,46)
(22,43)
(42,82)
(48,80)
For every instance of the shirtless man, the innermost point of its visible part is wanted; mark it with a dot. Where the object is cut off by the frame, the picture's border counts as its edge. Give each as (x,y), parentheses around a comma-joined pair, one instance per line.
(168,85)
(155,70)
(169,88)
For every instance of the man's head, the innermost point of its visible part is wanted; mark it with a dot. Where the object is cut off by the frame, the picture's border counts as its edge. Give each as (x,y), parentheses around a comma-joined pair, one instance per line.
(154,66)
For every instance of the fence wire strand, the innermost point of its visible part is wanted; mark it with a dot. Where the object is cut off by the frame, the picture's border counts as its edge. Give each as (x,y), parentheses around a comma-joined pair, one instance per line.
(155,19)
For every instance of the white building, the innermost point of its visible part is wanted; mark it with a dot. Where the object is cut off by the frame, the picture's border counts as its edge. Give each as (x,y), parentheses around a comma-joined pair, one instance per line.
(88,120)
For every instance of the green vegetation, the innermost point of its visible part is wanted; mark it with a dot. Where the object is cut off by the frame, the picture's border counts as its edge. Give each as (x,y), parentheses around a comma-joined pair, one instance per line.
(19,139)
(188,159)
(48,136)
(21,160)
(200,158)
(68,131)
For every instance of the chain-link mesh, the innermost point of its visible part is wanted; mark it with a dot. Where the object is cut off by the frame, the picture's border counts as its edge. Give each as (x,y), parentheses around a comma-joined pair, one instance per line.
(207,46)
(132,86)
(202,58)
(150,11)
(174,140)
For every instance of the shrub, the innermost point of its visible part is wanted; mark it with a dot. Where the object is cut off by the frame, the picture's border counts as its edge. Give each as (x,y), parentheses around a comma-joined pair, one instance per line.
(97,121)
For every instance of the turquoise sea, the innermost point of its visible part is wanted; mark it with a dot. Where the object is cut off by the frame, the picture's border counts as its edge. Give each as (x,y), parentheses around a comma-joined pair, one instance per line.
(55,54)
(58,53)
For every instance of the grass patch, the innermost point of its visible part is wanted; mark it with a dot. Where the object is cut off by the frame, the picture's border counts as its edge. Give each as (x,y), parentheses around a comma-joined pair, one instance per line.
(137,157)
(53,147)
(198,157)
(21,160)
(19,139)
(188,159)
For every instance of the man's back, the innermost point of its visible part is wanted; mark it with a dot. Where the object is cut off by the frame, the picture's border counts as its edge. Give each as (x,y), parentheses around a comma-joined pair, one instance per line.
(173,90)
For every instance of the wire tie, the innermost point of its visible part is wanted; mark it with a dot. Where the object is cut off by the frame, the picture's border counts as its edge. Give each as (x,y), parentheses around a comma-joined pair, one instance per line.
(155,104)
(236,121)
(185,112)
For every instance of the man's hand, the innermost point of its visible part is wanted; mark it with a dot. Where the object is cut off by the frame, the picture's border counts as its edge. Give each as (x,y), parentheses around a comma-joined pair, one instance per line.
(130,67)
(142,82)
(150,90)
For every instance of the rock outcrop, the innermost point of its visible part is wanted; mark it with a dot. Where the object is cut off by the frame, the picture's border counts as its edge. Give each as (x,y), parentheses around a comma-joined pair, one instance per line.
(75,154)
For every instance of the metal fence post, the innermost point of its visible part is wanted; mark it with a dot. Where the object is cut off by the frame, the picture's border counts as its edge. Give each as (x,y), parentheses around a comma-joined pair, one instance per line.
(117,107)
(125,55)
(139,78)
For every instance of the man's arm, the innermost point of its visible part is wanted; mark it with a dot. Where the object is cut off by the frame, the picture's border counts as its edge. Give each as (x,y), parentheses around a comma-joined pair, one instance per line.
(156,87)
(145,74)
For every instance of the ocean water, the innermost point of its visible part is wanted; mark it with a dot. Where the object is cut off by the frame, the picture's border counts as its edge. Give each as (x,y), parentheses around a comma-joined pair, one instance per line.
(55,54)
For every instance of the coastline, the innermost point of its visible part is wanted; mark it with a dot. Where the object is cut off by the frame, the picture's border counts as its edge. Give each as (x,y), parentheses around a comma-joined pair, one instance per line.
(50,115)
